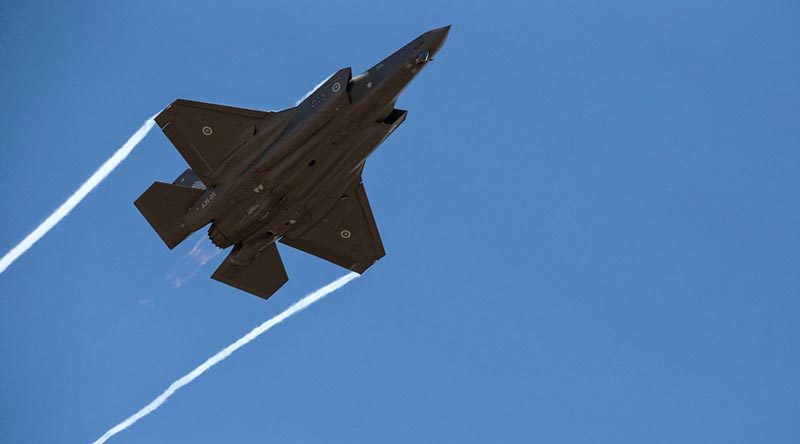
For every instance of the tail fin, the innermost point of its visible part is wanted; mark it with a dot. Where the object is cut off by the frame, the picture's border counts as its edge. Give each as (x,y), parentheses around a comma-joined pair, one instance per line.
(164,205)
(190,179)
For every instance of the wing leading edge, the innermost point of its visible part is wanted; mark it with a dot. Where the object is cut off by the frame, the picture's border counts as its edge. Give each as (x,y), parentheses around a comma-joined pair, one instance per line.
(205,133)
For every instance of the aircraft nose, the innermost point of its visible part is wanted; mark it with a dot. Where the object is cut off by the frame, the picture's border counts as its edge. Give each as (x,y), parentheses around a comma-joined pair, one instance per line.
(438,37)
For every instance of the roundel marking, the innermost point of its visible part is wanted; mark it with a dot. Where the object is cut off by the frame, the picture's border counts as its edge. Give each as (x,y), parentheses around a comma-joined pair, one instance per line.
(207,131)
(336,87)
(345,234)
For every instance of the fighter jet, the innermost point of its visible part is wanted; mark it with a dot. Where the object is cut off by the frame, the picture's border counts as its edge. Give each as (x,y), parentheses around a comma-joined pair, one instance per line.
(291,176)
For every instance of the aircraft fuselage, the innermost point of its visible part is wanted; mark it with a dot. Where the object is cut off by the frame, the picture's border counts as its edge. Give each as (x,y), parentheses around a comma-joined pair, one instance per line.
(293,174)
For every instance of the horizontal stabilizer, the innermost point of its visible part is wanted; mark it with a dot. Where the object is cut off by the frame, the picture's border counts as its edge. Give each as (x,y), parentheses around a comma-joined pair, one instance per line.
(262,277)
(164,205)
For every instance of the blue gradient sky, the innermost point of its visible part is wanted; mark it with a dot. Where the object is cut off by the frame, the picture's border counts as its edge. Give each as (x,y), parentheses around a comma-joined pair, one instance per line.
(591,218)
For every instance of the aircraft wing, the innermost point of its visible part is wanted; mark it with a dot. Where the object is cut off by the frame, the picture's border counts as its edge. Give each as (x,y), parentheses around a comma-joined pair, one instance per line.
(205,133)
(346,236)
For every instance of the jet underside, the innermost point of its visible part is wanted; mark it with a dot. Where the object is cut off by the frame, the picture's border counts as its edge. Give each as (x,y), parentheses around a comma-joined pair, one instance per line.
(292,176)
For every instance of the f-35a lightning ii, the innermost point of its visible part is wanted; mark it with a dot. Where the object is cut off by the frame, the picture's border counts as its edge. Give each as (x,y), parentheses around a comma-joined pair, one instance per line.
(292,176)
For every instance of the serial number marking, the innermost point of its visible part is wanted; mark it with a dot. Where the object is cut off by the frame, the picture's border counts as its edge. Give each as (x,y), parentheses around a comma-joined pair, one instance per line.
(208,199)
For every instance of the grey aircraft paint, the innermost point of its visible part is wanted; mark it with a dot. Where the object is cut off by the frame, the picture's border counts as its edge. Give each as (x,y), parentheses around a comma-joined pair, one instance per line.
(292,176)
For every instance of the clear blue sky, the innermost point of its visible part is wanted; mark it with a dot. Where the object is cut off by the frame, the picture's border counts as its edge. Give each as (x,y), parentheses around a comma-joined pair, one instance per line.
(590,216)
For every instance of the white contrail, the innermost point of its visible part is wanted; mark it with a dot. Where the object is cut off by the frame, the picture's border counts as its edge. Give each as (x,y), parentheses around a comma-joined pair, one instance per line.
(77,196)
(224,353)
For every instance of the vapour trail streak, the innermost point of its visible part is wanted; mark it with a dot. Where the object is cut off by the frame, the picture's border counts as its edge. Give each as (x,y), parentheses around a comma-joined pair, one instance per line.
(227,351)
(76,198)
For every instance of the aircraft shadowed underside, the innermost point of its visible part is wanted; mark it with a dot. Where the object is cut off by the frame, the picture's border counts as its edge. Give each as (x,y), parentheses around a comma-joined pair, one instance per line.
(292,176)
